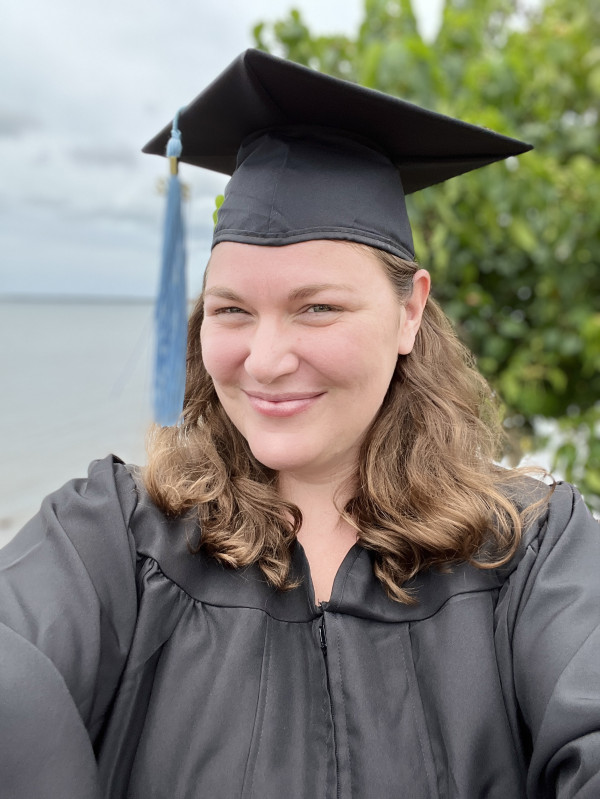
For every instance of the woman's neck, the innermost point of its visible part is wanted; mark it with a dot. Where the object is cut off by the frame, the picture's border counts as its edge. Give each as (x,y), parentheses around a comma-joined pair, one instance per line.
(323,490)
(325,537)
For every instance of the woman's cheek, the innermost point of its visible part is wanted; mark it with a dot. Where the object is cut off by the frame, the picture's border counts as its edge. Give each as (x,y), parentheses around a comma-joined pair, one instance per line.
(209,352)
(221,353)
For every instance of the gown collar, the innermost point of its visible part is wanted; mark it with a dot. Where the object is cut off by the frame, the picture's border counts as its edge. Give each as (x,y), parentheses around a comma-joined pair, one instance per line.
(356,591)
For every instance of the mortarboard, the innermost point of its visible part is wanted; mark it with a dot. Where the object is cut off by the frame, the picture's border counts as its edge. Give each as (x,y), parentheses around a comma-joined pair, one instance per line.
(311,157)
(316,157)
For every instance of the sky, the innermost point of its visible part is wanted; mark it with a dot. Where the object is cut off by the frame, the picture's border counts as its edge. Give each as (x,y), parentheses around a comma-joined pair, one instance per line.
(86,84)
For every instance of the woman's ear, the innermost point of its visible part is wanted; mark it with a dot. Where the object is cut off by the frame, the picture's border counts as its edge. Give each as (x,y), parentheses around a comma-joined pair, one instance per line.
(412,311)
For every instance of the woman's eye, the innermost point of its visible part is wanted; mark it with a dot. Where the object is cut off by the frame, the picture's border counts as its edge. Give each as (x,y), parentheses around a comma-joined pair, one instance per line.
(229,310)
(320,308)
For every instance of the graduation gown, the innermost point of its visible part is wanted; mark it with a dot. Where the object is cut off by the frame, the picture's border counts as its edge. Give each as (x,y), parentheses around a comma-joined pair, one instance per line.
(132,668)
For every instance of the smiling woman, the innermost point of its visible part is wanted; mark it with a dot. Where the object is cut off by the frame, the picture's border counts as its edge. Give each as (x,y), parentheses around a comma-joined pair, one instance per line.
(312,392)
(292,366)
(321,584)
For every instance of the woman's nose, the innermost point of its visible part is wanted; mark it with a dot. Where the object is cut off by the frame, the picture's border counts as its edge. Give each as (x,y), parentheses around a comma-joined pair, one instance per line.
(272,354)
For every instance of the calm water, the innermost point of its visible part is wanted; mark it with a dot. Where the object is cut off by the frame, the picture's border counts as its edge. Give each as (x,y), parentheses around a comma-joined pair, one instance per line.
(74,386)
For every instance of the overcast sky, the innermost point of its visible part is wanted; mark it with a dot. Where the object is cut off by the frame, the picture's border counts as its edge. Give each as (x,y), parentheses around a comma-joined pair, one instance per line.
(86,84)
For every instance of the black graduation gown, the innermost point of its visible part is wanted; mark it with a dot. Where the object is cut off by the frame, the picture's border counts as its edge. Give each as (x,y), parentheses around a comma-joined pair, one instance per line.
(131,668)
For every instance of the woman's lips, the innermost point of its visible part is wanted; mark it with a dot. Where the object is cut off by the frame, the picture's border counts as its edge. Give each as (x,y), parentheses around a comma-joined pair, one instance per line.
(281,405)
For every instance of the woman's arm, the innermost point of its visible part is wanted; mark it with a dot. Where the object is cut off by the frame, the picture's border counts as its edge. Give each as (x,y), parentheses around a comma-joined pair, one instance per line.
(556,650)
(67,613)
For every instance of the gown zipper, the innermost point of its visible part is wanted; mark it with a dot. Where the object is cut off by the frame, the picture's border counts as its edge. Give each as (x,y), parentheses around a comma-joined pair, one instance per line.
(323,637)
(323,646)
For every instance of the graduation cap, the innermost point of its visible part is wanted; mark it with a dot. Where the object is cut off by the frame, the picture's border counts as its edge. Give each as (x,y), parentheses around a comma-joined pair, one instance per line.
(316,157)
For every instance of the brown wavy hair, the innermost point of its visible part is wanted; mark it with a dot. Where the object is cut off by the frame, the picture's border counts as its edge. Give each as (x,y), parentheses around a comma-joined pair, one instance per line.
(429,492)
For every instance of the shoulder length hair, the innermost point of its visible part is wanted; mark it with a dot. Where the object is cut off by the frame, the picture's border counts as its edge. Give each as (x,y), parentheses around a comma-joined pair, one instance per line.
(428,491)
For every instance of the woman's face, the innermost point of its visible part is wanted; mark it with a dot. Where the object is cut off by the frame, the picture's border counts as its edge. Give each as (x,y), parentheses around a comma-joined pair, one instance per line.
(301,342)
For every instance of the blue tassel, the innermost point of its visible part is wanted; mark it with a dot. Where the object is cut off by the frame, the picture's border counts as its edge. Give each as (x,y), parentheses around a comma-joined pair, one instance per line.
(171,304)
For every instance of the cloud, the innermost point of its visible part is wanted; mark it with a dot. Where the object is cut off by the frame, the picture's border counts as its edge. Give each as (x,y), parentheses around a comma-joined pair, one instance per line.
(114,215)
(45,201)
(14,124)
(121,156)
(87,89)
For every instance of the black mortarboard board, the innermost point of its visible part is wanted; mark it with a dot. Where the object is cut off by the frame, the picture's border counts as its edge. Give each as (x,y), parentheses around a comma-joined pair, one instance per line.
(315,157)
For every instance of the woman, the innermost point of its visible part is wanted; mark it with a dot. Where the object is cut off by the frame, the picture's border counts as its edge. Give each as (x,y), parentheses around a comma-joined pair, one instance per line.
(321,585)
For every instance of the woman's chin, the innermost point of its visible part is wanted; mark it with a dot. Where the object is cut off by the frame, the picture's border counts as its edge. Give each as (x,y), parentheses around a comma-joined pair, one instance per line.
(279,461)
(284,456)
(303,464)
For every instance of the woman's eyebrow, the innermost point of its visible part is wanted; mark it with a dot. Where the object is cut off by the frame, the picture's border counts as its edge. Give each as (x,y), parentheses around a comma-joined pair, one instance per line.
(302,292)
(223,293)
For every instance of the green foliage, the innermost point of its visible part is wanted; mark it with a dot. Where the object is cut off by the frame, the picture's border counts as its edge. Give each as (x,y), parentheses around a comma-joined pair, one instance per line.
(219,200)
(514,249)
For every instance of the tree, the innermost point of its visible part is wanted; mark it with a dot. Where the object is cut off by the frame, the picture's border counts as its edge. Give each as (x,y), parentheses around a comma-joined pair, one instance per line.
(514,249)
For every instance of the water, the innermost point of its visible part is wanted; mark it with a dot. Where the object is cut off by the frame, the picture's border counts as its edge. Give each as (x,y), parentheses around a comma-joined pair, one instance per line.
(75,386)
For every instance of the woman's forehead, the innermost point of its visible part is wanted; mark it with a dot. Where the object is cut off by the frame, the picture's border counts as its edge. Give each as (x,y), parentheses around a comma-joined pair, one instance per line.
(340,260)
(294,271)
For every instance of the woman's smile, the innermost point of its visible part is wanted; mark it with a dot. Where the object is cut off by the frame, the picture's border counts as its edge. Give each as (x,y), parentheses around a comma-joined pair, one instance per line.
(282,405)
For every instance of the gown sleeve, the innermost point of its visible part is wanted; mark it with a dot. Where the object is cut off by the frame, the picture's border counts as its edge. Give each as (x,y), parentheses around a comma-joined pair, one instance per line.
(67,615)
(556,650)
